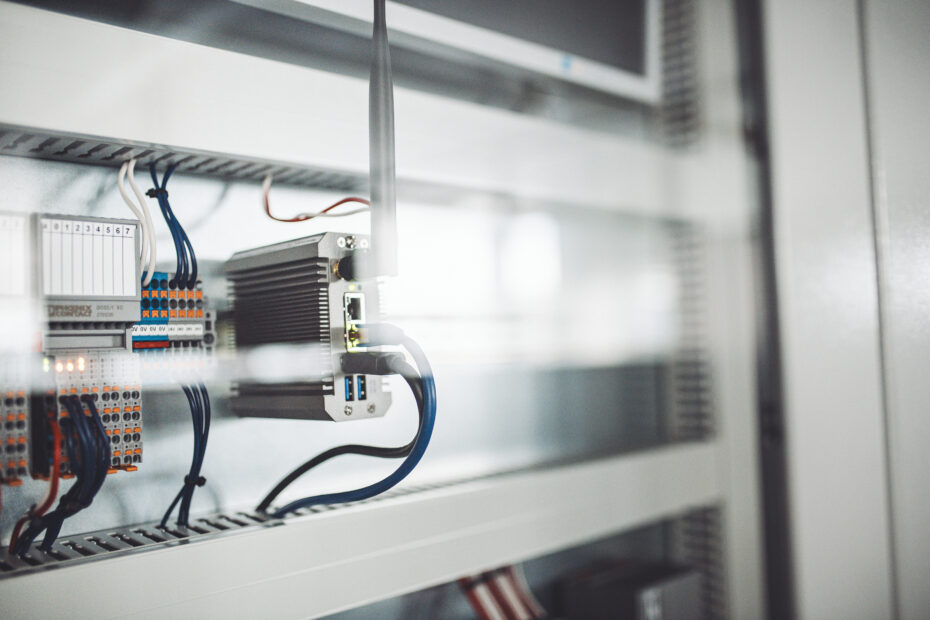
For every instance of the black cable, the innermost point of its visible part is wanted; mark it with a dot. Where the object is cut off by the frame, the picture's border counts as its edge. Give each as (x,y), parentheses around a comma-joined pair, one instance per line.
(102,441)
(38,525)
(374,451)
(95,450)
(88,451)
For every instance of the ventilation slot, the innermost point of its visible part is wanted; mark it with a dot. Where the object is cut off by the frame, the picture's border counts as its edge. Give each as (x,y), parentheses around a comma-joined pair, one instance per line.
(691,411)
(57,555)
(101,543)
(214,524)
(698,542)
(680,112)
(126,538)
(77,548)
(150,535)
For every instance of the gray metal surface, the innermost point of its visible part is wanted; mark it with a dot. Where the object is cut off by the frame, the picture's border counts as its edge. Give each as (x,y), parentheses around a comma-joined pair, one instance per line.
(334,559)
(829,314)
(897,63)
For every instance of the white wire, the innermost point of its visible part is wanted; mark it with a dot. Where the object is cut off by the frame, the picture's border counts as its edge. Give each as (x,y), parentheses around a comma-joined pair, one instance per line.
(508,590)
(519,576)
(266,185)
(341,214)
(149,225)
(266,189)
(144,245)
(487,602)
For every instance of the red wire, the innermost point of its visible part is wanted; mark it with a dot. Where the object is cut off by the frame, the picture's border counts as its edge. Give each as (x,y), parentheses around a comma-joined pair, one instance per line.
(52,487)
(500,598)
(468,587)
(304,217)
(528,601)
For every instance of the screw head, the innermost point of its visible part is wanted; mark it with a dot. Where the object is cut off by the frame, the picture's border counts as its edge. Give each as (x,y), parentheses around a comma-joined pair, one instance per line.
(371,408)
(348,410)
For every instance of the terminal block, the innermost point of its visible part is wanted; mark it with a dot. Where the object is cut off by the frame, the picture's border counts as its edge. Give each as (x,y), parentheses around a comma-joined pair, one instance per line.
(88,280)
(111,380)
(173,317)
(14,422)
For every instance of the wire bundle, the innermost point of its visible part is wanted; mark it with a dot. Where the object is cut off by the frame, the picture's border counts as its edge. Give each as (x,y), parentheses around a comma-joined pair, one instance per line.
(185,274)
(199,401)
(88,449)
(422,385)
(501,594)
(142,213)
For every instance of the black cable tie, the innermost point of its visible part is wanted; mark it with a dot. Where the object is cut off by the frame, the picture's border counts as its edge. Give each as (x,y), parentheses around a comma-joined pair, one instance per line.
(200,481)
(156,192)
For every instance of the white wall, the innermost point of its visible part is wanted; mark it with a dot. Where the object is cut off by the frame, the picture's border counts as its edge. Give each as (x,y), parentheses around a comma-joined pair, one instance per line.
(898,79)
(826,276)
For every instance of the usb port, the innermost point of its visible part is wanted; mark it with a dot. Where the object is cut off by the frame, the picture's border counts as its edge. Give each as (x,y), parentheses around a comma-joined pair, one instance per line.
(350,395)
(362,381)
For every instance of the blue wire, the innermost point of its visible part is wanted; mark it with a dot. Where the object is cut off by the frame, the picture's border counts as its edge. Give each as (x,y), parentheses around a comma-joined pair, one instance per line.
(199,401)
(197,418)
(88,445)
(192,278)
(419,448)
(202,400)
(182,494)
(186,271)
(187,250)
(181,266)
(181,276)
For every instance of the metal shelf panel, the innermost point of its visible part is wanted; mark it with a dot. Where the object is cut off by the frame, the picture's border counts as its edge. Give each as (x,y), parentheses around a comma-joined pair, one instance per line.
(67,76)
(335,560)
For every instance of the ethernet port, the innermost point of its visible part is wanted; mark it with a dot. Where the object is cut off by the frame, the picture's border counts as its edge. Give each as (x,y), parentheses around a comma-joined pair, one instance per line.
(355,307)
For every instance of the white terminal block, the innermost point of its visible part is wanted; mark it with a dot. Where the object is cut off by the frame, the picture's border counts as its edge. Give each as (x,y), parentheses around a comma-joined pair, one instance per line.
(87,278)
(89,258)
